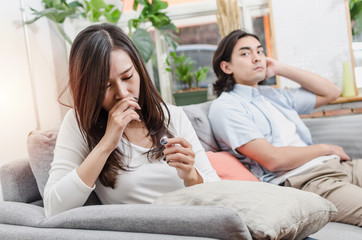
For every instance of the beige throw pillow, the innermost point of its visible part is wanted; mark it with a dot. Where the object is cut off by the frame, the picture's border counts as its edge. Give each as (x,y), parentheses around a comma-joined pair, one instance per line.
(41,144)
(269,211)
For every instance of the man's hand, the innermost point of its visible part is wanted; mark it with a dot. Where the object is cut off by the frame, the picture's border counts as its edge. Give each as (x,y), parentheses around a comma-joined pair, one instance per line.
(271,67)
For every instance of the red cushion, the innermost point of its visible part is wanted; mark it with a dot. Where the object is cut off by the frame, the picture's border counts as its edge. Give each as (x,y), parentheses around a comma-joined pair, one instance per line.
(229,167)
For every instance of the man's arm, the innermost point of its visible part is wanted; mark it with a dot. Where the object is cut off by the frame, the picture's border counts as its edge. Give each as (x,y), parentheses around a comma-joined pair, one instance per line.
(325,90)
(286,158)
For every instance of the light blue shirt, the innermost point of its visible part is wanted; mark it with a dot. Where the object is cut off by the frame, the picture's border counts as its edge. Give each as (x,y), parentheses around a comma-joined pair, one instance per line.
(239,116)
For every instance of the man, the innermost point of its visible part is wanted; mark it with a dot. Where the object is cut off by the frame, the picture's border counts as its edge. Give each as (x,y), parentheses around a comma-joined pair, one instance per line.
(261,125)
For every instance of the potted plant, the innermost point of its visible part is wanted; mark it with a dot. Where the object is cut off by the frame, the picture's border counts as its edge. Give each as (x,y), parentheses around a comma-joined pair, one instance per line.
(187,79)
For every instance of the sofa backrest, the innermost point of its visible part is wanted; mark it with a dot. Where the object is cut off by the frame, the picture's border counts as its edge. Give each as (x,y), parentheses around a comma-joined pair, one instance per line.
(198,115)
(344,131)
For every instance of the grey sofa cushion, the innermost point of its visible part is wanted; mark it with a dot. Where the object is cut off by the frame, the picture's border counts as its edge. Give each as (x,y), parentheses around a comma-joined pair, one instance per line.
(41,145)
(344,131)
(18,183)
(212,222)
(338,231)
(198,115)
(12,232)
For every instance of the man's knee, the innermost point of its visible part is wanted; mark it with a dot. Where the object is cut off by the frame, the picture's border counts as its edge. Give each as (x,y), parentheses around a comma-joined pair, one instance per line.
(348,201)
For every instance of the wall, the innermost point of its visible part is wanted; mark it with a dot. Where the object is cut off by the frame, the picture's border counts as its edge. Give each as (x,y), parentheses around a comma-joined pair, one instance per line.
(28,68)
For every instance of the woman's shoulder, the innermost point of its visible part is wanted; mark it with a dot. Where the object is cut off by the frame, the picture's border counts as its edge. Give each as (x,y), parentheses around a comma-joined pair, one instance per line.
(70,117)
(70,123)
(177,116)
(174,110)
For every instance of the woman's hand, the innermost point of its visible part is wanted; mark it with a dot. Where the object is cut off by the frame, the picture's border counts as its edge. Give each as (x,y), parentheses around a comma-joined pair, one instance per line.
(121,114)
(179,154)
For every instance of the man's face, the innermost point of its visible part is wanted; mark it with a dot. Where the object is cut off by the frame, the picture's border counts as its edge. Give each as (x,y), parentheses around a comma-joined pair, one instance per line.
(248,63)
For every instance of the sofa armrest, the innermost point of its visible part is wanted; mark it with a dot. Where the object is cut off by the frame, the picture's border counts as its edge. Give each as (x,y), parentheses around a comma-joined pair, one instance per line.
(18,182)
(198,221)
(344,131)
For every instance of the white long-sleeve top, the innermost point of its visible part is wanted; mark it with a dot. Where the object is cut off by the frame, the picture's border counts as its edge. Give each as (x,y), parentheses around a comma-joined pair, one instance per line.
(147,181)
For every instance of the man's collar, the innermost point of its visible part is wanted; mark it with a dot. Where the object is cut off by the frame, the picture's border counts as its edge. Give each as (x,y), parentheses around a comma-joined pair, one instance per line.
(245,91)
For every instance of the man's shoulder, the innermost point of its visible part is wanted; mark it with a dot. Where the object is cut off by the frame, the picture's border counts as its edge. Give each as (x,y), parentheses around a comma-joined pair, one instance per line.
(224,99)
(221,103)
(226,105)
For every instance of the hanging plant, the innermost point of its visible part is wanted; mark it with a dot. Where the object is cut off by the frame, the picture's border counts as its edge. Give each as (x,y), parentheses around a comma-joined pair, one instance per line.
(97,10)
(151,12)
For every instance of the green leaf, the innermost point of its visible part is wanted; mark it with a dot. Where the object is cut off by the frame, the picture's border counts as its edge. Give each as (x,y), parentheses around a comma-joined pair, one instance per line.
(109,8)
(135,23)
(98,4)
(169,26)
(136,2)
(95,15)
(201,74)
(130,24)
(88,6)
(157,6)
(113,17)
(143,41)
(75,4)
(173,54)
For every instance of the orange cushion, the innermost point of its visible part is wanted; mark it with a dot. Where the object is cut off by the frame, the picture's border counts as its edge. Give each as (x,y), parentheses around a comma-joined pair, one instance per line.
(229,167)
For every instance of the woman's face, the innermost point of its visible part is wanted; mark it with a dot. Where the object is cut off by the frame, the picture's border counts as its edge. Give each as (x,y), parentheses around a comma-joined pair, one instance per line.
(124,80)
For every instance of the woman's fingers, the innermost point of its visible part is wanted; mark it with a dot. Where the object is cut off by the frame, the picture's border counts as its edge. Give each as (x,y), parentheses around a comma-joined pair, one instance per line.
(178,140)
(186,168)
(179,154)
(179,150)
(180,158)
(124,105)
(127,116)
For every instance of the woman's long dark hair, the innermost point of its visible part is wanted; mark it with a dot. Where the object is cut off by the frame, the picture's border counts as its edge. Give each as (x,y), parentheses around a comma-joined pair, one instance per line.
(89,69)
(225,82)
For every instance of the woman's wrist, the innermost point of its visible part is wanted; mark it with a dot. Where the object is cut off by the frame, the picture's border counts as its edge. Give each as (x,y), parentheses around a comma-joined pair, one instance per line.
(193,178)
(105,146)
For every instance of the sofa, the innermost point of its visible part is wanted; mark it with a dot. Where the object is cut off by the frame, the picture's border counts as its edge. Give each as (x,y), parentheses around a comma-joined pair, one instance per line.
(22,215)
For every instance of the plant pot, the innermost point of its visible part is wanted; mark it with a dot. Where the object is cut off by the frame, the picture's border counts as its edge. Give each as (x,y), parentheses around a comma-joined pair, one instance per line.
(190,97)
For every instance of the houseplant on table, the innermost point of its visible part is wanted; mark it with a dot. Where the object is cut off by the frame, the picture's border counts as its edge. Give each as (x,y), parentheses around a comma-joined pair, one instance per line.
(187,79)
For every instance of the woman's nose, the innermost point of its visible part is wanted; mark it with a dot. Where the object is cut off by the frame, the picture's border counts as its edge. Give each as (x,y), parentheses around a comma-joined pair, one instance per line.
(121,91)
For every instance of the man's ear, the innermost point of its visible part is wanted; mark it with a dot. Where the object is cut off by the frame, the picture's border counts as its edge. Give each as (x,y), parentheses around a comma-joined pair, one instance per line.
(224,65)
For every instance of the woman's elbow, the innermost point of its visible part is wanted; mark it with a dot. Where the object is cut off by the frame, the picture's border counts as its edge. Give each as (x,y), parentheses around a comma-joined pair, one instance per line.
(48,206)
(52,203)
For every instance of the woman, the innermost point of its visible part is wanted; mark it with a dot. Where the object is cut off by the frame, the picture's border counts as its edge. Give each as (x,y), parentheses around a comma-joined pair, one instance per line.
(110,141)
